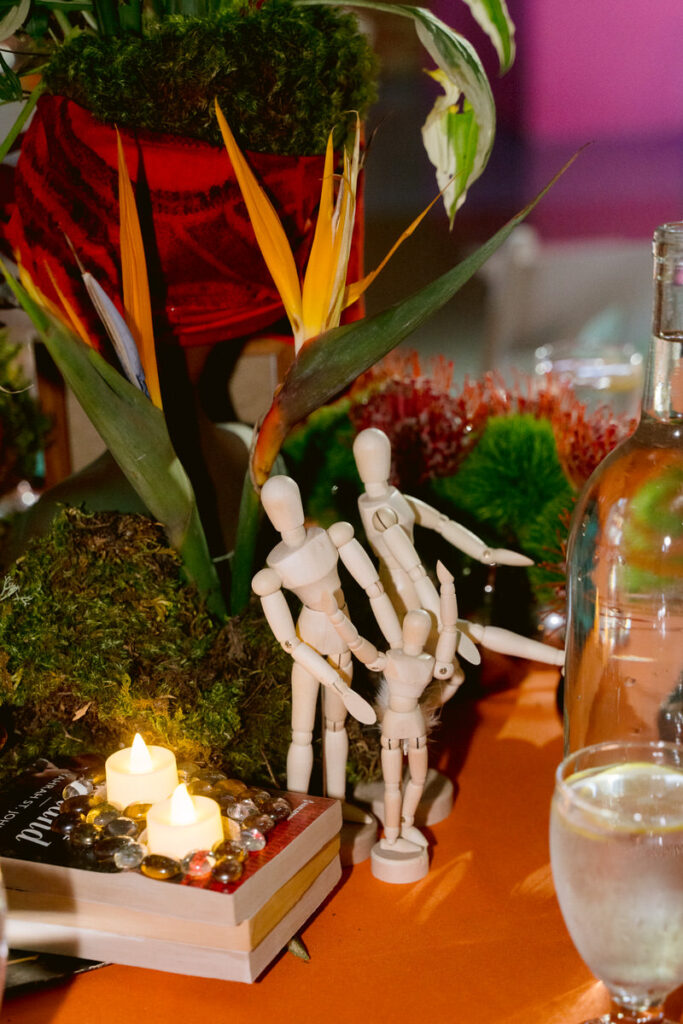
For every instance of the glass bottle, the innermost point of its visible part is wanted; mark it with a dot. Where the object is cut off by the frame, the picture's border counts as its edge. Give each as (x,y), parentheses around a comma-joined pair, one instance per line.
(624,661)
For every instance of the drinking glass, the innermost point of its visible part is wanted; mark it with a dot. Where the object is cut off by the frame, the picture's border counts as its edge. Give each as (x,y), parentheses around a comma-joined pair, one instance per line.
(616,849)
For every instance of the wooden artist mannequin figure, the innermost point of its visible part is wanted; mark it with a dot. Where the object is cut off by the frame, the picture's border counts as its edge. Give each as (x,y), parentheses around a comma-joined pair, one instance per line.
(401,856)
(388,518)
(372,453)
(305,563)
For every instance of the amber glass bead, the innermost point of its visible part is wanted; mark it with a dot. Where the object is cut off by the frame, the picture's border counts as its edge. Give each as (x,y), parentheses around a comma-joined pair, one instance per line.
(106,846)
(279,808)
(66,822)
(80,804)
(229,849)
(84,835)
(263,822)
(233,787)
(138,812)
(102,814)
(259,796)
(226,871)
(162,868)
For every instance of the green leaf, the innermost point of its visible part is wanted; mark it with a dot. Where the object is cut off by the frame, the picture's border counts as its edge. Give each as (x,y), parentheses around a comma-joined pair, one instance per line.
(331,362)
(494,18)
(14,19)
(461,73)
(135,432)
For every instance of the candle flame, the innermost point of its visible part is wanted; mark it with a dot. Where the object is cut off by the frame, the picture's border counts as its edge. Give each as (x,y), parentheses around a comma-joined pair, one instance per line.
(182,807)
(140,757)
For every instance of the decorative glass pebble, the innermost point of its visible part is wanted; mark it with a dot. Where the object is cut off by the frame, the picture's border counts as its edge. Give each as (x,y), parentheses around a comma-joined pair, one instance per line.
(241,810)
(121,827)
(77,788)
(198,865)
(102,814)
(84,835)
(199,787)
(106,847)
(229,849)
(263,822)
(66,822)
(130,857)
(227,871)
(186,770)
(252,839)
(233,787)
(279,808)
(211,775)
(138,812)
(96,775)
(231,829)
(224,800)
(80,804)
(259,796)
(154,865)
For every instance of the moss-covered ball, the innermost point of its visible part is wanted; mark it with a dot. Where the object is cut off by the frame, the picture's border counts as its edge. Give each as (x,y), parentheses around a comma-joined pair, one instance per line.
(283,75)
(100,637)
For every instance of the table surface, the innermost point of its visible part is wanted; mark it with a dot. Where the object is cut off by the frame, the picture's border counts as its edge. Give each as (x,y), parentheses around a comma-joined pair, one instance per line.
(479,939)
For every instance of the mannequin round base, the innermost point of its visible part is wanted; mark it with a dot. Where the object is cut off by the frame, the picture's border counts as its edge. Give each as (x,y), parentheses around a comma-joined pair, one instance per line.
(399,863)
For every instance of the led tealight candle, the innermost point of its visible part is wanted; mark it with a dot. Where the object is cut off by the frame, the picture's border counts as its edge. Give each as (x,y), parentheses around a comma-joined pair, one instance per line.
(184,823)
(140,774)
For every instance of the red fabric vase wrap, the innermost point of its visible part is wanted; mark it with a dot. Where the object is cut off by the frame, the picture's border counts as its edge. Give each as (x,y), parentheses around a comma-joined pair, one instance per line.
(208,280)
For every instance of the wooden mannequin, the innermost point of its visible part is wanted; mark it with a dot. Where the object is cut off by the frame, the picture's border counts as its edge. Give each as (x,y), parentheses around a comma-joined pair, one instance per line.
(305,563)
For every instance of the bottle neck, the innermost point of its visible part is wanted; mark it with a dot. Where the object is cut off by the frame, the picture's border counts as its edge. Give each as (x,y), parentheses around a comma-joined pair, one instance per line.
(663,391)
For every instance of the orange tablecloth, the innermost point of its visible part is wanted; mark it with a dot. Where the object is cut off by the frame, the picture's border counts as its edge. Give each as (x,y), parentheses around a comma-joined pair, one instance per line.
(479,940)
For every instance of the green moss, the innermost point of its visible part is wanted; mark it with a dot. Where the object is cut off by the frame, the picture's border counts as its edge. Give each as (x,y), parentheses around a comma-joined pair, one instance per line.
(509,476)
(100,638)
(283,75)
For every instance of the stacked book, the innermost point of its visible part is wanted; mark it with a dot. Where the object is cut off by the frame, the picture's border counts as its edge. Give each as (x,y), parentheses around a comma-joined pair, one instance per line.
(126,918)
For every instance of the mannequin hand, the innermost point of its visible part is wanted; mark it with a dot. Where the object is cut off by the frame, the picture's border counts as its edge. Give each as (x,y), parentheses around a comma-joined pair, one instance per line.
(355,704)
(503,556)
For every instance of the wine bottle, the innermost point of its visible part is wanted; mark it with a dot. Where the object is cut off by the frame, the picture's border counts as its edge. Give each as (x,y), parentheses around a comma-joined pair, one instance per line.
(624,660)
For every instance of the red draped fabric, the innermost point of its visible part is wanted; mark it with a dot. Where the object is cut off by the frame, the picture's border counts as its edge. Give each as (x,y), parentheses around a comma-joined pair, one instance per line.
(208,279)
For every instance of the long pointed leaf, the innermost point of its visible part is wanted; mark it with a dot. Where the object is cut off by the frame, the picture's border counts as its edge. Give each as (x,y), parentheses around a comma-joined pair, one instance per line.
(331,362)
(135,432)
(269,232)
(136,299)
(493,16)
(462,73)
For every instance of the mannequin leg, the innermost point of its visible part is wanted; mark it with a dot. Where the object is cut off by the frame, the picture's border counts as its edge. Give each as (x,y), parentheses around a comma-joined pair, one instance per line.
(392,764)
(300,753)
(417,765)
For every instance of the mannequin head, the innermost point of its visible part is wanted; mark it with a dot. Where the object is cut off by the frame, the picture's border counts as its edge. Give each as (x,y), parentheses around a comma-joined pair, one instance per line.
(281,499)
(372,452)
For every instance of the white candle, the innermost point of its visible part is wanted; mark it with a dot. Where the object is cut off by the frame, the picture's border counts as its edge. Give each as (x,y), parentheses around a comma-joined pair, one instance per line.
(184,823)
(140,774)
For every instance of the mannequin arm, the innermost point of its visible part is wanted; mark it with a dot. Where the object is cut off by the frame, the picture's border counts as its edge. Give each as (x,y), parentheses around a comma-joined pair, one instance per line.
(462,538)
(504,641)
(360,566)
(362,648)
(403,550)
(266,584)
